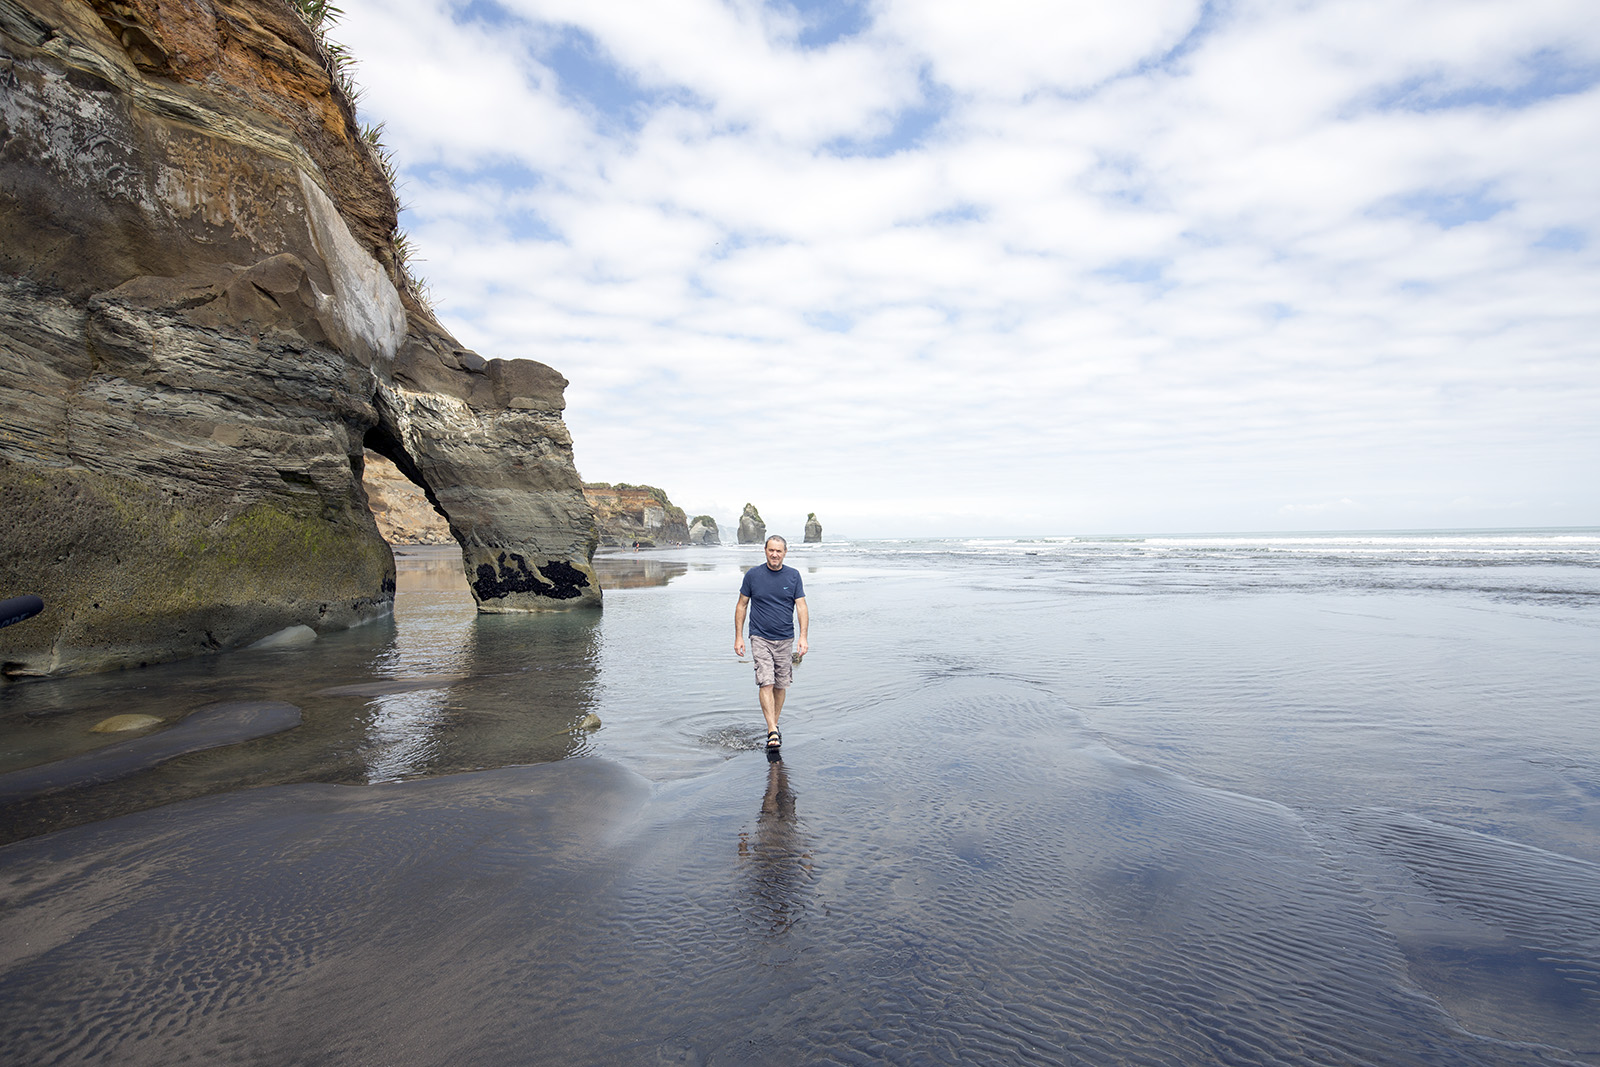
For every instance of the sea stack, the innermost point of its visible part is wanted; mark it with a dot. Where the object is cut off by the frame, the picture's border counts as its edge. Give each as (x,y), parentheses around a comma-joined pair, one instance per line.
(813,528)
(703,531)
(752,531)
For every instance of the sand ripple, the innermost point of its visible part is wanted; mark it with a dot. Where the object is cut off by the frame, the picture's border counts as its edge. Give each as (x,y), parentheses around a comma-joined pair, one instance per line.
(1018,895)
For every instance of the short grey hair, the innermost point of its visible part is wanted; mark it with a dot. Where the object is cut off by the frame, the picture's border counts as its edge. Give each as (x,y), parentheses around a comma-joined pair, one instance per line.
(778,538)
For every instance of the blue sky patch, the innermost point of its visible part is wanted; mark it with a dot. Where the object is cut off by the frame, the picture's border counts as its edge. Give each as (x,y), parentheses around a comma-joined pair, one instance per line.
(1213,15)
(530,226)
(828,21)
(911,128)
(508,173)
(587,76)
(1119,179)
(1137,271)
(1563,239)
(1543,75)
(831,321)
(1448,209)
(954,215)
(487,12)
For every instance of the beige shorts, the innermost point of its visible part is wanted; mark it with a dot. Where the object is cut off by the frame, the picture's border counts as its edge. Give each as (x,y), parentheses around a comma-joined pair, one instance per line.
(772,660)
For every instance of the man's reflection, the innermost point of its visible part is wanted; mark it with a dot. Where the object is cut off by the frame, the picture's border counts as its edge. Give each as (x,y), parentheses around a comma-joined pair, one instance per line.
(780,864)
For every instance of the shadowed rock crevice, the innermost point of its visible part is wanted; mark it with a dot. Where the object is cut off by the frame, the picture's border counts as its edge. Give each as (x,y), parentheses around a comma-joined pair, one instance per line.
(382,440)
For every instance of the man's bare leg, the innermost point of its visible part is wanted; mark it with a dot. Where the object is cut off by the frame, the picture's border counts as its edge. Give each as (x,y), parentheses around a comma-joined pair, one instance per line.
(772,705)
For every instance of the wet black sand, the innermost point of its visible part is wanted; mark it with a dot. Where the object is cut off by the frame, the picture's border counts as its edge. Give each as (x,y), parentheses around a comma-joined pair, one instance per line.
(209,727)
(1027,898)
(1153,848)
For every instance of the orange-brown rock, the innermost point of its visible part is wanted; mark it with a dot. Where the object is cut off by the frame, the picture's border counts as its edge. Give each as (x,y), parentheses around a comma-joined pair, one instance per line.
(265,58)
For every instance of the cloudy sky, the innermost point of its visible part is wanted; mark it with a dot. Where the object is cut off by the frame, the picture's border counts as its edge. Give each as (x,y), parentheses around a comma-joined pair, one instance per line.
(1024,267)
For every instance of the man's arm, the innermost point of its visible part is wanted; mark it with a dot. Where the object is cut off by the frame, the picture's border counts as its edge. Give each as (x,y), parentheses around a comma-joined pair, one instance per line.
(805,622)
(738,624)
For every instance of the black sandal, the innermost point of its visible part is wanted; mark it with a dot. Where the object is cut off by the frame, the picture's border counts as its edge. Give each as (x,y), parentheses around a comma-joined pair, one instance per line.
(774,739)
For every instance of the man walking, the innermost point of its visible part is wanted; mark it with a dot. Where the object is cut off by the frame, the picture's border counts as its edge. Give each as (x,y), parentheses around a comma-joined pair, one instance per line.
(773,595)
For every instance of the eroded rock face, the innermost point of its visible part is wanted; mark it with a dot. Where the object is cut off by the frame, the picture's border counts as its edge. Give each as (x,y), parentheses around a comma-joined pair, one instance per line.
(813,528)
(627,514)
(488,437)
(752,531)
(201,325)
(703,531)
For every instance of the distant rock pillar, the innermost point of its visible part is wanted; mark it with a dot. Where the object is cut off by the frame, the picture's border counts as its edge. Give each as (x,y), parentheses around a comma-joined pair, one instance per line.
(703,531)
(752,531)
(813,528)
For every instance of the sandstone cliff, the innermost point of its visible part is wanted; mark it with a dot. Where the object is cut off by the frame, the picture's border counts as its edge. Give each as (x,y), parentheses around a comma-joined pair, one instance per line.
(203,325)
(813,528)
(629,513)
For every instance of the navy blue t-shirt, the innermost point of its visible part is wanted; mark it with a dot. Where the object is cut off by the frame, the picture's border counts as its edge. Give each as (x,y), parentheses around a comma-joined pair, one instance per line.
(772,595)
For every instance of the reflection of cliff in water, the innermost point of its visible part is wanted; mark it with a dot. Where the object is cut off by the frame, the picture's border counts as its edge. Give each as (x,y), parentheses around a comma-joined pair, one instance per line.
(637,572)
(518,686)
(429,568)
(436,690)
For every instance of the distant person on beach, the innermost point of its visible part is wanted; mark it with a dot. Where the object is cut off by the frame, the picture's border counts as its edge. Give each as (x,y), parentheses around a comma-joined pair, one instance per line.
(773,596)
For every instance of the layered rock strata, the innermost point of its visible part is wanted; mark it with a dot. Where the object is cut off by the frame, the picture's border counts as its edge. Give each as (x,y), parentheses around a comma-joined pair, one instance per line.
(487,439)
(813,528)
(752,531)
(203,325)
(628,514)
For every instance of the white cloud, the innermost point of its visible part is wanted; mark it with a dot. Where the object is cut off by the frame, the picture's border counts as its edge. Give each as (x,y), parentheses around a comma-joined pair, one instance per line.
(1009,48)
(1109,287)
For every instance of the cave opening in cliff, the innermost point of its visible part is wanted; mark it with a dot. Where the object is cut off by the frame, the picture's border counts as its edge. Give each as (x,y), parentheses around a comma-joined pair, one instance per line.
(402,502)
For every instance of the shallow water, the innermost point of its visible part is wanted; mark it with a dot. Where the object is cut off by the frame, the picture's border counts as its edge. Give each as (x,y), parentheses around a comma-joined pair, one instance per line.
(1242,799)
